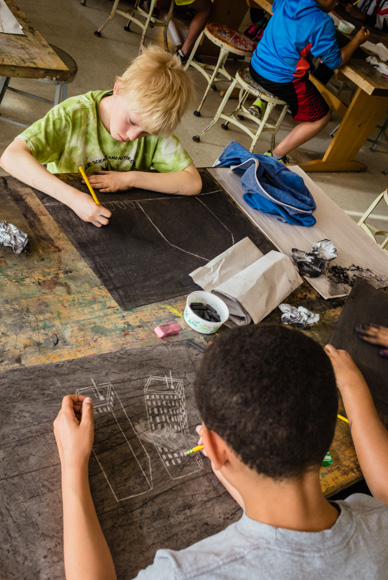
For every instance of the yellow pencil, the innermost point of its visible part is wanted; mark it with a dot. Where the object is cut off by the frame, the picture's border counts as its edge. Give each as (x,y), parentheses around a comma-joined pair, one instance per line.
(193,450)
(343,418)
(90,188)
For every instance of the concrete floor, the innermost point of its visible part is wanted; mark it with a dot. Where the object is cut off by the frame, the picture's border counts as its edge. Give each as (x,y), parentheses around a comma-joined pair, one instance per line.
(70,26)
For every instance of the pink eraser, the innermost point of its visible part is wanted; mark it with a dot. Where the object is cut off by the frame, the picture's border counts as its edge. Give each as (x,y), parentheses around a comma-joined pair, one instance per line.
(167,329)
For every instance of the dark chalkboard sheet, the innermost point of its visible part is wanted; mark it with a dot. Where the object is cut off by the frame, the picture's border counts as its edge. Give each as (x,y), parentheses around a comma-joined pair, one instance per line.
(144,500)
(155,240)
(365,304)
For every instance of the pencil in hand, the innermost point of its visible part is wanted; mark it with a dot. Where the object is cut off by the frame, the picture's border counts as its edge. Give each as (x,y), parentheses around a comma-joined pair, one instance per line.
(193,450)
(90,188)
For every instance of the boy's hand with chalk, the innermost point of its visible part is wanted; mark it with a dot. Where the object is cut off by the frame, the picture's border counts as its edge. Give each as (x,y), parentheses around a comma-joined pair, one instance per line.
(87,555)
(74,431)
(362,35)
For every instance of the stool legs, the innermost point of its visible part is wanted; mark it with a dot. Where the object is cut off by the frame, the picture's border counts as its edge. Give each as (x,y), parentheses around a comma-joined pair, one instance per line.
(223,55)
(240,113)
(220,63)
(232,85)
(131,16)
(110,17)
(383,128)
(4,82)
(277,125)
(60,93)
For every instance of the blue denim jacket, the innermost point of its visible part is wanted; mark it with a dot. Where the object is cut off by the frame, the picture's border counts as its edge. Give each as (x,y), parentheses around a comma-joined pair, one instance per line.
(270,186)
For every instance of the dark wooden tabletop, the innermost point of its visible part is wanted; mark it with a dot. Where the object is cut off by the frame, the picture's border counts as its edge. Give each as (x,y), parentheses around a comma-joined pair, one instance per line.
(28,55)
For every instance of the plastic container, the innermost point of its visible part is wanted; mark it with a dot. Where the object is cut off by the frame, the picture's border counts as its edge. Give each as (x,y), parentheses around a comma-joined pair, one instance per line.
(346,27)
(199,324)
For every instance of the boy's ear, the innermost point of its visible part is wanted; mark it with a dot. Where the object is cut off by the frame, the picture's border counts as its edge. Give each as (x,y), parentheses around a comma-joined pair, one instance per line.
(216,448)
(116,87)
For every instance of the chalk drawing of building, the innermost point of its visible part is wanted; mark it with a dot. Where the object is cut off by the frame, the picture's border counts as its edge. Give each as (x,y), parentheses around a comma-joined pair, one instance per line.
(118,449)
(165,404)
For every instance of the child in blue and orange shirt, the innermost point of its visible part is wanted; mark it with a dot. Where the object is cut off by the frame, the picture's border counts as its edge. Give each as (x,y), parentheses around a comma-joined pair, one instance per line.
(298,31)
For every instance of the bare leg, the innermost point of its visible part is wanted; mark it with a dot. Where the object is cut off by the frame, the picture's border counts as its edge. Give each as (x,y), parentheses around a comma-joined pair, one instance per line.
(301,134)
(198,23)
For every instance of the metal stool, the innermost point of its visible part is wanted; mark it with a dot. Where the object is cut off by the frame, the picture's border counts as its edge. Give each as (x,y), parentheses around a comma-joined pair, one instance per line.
(372,231)
(229,41)
(248,86)
(381,134)
(61,86)
(138,11)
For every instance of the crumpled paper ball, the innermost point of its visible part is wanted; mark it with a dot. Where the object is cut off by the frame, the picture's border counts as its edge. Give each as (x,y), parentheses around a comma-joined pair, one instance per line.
(11,236)
(299,316)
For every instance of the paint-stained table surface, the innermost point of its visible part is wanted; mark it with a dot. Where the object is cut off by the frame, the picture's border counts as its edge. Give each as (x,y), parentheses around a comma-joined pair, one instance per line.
(54,308)
(29,55)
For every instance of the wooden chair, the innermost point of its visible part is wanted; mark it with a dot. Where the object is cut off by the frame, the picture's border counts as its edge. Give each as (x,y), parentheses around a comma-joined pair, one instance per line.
(248,86)
(139,15)
(372,231)
(61,86)
(230,41)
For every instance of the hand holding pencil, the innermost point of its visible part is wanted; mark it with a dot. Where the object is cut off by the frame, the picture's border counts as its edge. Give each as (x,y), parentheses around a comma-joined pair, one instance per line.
(89,209)
(90,188)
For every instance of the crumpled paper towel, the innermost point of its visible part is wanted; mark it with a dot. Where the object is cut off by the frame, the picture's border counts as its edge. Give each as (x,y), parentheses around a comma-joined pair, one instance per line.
(380,49)
(300,316)
(11,236)
(376,63)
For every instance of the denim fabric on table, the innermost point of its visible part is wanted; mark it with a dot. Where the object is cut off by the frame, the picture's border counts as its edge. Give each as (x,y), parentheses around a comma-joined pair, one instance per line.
(270,186)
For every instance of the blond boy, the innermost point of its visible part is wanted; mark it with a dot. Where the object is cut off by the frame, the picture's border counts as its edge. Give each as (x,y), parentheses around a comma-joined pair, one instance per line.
(118,137)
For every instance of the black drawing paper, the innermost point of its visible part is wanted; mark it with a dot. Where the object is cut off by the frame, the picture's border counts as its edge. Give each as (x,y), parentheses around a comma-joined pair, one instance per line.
(364,305)
(153,240)
(145,499)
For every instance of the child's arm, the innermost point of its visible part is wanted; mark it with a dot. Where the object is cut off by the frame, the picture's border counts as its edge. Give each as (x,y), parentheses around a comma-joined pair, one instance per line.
(355,12)
(186,182)
(87,556)
(369,434)
(347,50)
(19,162)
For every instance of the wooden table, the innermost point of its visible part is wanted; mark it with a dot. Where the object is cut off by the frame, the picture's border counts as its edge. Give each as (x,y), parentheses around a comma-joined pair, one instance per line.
(29,55)
(368,105)
(53,308)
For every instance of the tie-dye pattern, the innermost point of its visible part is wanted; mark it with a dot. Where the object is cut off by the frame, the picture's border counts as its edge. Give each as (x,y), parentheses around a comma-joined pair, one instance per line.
(72,134)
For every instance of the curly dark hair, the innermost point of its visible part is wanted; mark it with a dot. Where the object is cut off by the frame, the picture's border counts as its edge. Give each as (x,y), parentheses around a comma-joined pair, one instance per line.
(270,393)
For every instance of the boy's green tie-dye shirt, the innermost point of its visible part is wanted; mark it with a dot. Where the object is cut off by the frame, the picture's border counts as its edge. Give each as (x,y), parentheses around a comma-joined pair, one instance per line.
(72,134)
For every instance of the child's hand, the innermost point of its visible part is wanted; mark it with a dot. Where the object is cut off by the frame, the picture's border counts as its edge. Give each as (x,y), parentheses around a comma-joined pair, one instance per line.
(74,430)
(373,333)
(86,208)
(354,11)
(110,181)
(362,35)
(346,372)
